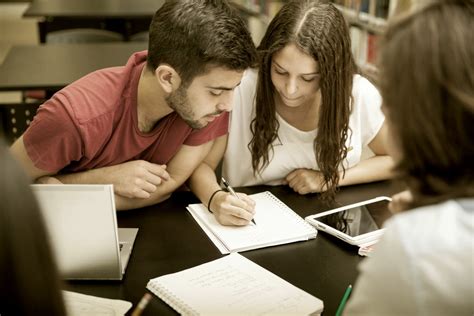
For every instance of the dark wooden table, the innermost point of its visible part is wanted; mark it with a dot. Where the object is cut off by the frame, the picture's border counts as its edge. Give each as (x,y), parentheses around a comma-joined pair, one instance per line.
(123,16)
(169,240)
(52,67)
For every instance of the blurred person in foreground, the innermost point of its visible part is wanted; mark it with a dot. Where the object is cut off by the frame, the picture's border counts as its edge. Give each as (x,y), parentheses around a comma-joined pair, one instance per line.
(29,282)
(424,263)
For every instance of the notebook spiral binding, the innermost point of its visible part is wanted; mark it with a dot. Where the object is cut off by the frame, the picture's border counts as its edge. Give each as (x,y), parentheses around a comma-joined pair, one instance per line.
(289,211)
(171,299)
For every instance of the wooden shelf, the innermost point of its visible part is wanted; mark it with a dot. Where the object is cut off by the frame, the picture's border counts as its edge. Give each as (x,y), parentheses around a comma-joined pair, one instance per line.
(370,72)
(247,9)
(364,20)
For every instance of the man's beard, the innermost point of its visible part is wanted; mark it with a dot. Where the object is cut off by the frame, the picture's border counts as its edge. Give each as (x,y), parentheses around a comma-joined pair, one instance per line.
(179,102)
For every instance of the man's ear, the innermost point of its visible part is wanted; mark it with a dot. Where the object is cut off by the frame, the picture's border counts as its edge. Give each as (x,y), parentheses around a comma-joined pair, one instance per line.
(168,78)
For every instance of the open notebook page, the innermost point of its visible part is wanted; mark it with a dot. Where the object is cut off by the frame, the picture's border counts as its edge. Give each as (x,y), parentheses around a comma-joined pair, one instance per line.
(276,224)
(232,285)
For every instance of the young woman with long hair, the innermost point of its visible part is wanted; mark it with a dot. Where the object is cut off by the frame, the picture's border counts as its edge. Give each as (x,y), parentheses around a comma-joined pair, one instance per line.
(306,118)
(424,263)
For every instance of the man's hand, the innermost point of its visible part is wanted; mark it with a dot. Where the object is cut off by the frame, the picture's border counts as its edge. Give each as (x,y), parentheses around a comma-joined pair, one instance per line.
(230,210)
(48,180)
(137,179)
(306,181)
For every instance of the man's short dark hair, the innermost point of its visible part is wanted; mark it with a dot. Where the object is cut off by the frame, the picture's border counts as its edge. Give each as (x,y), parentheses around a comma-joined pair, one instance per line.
(191,35)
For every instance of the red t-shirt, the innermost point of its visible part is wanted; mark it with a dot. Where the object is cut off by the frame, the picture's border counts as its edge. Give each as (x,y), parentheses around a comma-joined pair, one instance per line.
(93,123)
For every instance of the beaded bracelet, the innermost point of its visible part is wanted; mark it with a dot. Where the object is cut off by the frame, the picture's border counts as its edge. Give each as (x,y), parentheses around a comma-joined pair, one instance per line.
(210,199)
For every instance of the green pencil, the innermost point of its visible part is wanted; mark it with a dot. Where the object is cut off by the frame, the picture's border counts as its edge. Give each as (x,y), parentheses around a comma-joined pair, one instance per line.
(344,300)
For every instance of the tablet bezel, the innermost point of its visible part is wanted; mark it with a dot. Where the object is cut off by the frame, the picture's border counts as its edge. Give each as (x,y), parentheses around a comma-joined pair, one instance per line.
(356,241)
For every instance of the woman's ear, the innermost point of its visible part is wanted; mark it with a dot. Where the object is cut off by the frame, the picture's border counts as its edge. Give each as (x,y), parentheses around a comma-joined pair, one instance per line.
(168,78)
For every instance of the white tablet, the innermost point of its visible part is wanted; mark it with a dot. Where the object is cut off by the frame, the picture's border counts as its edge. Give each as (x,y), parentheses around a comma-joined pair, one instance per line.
(357,223)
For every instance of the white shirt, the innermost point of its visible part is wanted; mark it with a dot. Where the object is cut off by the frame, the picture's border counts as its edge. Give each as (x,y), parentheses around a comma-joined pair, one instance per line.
(423,264)
(293,149)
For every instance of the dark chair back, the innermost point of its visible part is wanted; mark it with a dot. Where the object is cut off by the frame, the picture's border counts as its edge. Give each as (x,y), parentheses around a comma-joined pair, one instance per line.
(83,36)
(15,119)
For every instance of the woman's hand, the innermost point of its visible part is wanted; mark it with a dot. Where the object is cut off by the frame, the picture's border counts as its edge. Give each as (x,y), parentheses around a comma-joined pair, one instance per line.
(306,181)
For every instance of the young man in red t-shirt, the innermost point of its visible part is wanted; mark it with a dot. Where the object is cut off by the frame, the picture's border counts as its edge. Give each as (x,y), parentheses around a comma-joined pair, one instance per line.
(147,126)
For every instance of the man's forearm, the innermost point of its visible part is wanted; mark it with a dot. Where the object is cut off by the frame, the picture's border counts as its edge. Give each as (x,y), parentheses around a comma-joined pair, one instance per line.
(123,203)
(203,182)
(105,176)
(93,176)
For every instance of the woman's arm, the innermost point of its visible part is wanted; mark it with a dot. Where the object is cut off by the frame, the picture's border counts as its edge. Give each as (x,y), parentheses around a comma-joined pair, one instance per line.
(371,169)
(377,168)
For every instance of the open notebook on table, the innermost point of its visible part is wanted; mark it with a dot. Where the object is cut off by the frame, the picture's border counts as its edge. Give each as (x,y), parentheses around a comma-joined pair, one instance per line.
(78,304)
(276,224)
(232,285)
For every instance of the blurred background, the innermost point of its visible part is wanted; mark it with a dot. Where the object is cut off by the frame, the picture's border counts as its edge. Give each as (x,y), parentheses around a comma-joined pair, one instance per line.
(47,44)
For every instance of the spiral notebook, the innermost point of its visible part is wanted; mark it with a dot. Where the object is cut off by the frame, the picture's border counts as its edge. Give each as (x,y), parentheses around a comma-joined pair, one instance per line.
(276,224)
(232,285)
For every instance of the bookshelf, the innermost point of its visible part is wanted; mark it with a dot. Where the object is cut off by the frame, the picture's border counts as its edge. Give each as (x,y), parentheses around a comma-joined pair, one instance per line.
(258,14)
(248,7)
(367,21)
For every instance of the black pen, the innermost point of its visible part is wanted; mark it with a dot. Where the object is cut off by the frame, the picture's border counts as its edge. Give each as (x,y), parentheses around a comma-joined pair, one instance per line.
(229,188)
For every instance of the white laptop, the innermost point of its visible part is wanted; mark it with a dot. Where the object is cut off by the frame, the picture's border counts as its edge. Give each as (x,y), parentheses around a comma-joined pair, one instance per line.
(82,224)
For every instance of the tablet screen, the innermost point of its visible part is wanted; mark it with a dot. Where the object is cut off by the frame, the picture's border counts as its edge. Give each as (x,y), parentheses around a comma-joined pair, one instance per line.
(359,220)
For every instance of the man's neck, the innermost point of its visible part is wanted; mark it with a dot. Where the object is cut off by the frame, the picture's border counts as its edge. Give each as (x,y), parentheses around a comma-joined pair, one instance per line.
(151,102)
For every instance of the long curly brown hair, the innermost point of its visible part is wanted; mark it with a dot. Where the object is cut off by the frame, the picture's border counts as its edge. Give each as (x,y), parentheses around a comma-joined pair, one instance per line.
(318,29)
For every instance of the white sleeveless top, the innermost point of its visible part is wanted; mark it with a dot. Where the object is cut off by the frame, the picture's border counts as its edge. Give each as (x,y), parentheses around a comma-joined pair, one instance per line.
(293,149)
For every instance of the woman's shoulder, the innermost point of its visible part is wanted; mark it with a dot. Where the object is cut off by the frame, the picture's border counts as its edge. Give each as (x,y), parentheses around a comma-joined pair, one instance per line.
(245,92)
(249,79)
(436,212)
(366,97)
(435,227)
(363,86)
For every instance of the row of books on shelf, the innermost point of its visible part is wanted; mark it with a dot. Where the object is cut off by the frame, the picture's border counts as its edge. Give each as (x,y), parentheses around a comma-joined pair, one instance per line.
(266,8)
(364,47)
(371,14)
(367,20)
(363,20)
(369,11)
(371,8)
(251,7)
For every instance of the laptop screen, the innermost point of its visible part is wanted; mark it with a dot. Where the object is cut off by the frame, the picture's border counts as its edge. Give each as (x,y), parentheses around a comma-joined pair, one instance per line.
(82,224)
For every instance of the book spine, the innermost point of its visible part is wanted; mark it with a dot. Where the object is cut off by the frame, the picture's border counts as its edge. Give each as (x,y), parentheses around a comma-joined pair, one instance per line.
(169,298)
(372,48)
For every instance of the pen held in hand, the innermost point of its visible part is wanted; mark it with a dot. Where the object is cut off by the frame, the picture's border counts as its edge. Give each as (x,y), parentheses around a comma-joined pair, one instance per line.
(231,191)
